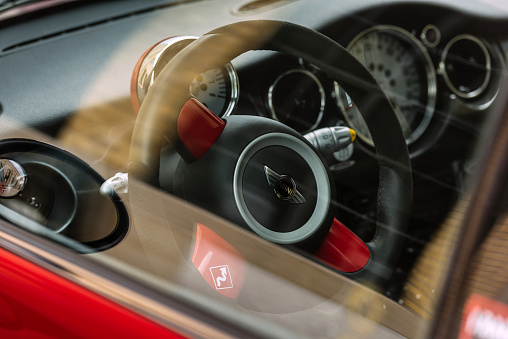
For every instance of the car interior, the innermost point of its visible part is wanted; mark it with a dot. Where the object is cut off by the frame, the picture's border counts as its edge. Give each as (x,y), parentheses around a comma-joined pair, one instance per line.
(340,155)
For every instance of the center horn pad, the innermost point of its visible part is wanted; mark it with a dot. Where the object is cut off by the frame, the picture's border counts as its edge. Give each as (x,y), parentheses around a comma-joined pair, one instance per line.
(281,188)
(265,177)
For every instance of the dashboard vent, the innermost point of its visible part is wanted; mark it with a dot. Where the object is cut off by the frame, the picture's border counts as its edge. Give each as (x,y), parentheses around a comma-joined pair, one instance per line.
(258,6)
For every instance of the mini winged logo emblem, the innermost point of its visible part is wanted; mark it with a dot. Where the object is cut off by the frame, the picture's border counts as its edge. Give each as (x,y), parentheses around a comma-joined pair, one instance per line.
(284,187)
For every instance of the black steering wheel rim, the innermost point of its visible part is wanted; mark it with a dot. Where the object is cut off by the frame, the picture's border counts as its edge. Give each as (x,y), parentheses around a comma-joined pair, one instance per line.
(160,110)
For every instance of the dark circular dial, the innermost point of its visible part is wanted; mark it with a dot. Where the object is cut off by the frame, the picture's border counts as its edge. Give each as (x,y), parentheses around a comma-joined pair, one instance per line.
(297,99)
(403,69)
(466,66)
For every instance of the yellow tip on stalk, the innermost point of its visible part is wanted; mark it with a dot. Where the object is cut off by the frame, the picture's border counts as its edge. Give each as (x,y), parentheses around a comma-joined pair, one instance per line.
(353,134)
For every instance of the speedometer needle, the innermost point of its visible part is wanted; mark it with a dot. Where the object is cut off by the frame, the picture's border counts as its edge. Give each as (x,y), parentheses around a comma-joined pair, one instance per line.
(406,129)
(371,55)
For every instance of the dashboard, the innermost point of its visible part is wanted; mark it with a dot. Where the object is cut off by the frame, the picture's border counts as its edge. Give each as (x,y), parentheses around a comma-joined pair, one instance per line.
(440,65)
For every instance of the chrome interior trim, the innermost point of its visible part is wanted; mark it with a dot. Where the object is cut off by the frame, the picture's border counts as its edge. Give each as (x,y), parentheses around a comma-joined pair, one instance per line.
(488,66)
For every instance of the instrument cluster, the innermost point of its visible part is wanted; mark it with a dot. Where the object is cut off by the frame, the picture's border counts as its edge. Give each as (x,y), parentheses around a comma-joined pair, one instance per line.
(428,76)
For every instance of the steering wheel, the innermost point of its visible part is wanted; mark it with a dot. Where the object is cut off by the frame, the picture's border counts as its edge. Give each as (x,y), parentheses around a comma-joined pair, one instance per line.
(231,178)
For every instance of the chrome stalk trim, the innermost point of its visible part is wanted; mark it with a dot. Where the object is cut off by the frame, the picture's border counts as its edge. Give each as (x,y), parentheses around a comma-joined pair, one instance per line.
(13,178)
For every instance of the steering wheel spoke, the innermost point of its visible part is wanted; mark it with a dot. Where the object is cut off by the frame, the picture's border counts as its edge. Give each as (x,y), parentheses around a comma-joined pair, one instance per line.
(343,250)
(197,128)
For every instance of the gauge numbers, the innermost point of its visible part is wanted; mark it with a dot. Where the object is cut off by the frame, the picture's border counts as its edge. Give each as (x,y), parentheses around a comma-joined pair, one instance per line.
(403,69)
(217,89)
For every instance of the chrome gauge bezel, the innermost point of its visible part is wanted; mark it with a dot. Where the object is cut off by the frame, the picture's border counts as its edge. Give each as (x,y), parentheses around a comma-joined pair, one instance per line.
(146,73)
(488,66)
(430,74)
(425,33)
(152,65)
(235,90)
(324,188)
(314,78)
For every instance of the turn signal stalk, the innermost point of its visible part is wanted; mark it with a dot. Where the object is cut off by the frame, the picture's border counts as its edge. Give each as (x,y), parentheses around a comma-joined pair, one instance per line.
(329,140)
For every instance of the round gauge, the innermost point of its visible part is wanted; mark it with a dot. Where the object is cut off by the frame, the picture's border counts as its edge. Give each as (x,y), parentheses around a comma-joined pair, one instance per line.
(297,99)
(217,89)
(466,66)
(404,70)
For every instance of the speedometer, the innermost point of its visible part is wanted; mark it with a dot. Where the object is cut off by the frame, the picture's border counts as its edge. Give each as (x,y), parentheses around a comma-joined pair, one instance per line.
(404,70)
